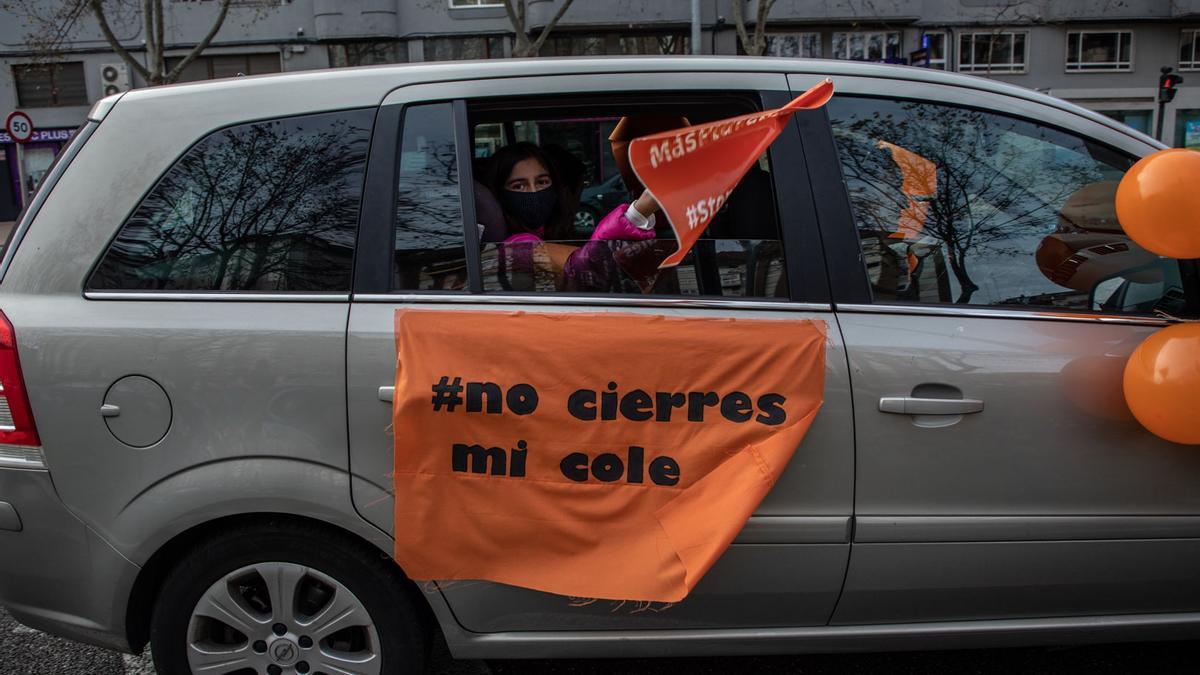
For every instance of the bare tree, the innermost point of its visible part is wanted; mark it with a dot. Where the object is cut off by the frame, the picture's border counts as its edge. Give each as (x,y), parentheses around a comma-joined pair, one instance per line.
(52,25)
(516,15)
(756,45)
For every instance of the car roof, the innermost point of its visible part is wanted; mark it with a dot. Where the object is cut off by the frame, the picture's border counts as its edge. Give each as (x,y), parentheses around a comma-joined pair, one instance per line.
(363,85)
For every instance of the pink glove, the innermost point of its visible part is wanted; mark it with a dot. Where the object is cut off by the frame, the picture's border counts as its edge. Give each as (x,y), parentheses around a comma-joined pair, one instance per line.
(617,225)
(523,238)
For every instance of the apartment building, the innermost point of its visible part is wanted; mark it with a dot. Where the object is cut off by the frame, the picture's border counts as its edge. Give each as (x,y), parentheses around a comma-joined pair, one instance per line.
(1103,54)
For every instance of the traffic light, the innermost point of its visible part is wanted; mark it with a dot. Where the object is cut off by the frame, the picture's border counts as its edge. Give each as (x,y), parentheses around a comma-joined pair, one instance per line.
(1168,85)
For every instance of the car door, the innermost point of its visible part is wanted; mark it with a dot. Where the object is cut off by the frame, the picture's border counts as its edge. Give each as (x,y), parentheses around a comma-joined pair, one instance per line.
(991,303)
(787,566)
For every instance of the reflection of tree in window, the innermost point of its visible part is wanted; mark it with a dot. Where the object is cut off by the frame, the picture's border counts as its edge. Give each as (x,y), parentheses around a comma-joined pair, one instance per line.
(270,206)
(999,186)
(429,227)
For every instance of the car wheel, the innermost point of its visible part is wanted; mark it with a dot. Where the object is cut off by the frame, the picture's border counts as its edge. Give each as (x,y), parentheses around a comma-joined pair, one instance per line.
(287,598)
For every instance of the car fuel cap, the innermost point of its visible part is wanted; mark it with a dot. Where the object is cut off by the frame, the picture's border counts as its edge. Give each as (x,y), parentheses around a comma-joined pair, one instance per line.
(137,411)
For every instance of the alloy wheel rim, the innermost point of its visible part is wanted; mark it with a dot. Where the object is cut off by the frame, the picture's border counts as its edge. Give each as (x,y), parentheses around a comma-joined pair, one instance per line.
(277,618)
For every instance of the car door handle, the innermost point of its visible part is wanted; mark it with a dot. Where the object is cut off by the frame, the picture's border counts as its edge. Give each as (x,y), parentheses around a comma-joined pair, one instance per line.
(110,410)
(912,405)
(387,394)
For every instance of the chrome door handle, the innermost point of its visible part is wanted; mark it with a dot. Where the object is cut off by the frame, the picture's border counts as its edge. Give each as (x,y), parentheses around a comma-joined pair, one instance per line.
(110,410)
(387,394)
(911,405)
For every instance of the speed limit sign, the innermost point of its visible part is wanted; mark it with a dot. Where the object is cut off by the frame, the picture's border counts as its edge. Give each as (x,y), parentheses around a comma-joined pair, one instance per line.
(19,126)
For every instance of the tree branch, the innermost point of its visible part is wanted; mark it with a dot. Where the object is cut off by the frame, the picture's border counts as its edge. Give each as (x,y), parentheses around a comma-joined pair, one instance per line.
(159,33)
(550,26)
(739,21)
(115,43)
(516,16)
(200,47)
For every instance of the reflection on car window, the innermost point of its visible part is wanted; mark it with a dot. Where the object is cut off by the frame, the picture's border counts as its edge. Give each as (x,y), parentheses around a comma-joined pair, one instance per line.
(739,255)
(269,206)
(955,205)
(429,250)
(739,268)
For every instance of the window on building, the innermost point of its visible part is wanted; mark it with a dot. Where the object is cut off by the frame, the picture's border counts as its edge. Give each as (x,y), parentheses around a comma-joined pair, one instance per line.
(460,48)
(429,245)
(50,85)
(794,45)
(367,53)
(592,44)
(1099,50)
(1189,49)
(1187,129)
(934,46)
(268,206)
(226,65)
(1135,119)
(992,52)
(867,46)
(475,3)
(956,205)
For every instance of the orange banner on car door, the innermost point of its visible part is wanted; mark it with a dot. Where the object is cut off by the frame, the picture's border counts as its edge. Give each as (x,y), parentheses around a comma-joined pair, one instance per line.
(599,455)
(692,171)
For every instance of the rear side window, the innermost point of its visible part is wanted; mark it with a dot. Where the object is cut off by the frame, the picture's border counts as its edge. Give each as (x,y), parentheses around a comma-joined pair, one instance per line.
(268,206)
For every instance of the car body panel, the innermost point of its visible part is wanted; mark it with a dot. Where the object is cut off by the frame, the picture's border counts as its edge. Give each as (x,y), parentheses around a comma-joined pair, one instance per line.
(275,408)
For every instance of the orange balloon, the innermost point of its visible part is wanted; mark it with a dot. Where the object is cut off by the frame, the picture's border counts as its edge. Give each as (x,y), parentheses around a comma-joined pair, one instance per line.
(1162,383)
(1158,203)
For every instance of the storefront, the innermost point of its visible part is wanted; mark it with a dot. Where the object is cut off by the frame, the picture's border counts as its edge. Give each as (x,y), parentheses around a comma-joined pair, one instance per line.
(1187,129)
(39,154)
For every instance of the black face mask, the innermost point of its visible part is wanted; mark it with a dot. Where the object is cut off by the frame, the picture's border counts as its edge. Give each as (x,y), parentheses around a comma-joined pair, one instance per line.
(531,209)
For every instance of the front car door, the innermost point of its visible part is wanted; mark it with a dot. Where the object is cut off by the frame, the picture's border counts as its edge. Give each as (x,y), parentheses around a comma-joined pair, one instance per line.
(993,302)
(788,564)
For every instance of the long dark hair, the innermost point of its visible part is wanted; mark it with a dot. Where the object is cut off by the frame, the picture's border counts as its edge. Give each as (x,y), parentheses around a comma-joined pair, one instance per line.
(502,163)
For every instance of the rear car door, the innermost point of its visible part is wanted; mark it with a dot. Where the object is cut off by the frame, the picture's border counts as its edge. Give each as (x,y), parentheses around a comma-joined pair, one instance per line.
(991,303)
(787,566)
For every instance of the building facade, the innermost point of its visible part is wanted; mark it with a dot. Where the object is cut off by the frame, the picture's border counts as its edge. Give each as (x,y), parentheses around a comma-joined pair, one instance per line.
(1102,54)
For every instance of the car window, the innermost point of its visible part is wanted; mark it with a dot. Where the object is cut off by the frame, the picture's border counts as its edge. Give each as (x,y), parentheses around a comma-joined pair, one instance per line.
(429,249)
(740,254)
(963,206)
(268,206)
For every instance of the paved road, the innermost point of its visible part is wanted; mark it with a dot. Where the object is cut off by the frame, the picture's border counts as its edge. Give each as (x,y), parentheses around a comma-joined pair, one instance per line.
(24,651)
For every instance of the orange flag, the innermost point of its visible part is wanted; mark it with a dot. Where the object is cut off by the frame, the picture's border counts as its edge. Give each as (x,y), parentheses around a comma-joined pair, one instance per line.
(591,455)
(692,171)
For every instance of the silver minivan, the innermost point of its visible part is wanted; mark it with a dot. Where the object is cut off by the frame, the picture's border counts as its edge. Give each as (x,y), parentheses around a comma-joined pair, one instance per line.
(197,344)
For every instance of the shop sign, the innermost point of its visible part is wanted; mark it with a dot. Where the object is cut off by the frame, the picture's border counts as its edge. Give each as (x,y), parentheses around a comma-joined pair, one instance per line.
(43,136)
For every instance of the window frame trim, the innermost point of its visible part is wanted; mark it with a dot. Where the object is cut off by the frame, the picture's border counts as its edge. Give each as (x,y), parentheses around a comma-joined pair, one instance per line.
(701,82)
(990,69)
(866,39)
(1194,64)
(1079,52)
(799,35)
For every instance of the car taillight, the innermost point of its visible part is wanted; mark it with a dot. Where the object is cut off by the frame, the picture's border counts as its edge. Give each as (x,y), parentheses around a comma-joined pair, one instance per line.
(16,418)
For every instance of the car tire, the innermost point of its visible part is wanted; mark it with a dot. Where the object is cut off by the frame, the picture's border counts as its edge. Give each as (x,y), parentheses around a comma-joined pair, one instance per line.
(350,606)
